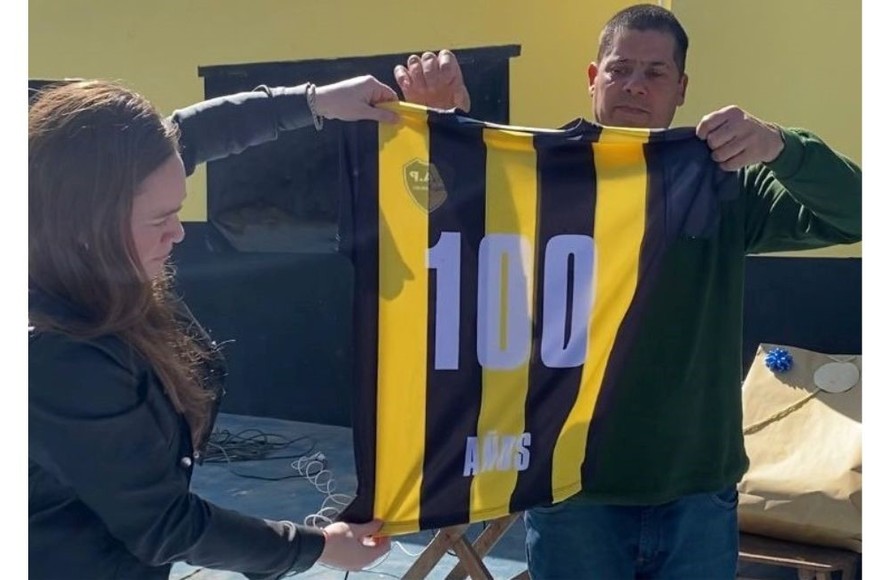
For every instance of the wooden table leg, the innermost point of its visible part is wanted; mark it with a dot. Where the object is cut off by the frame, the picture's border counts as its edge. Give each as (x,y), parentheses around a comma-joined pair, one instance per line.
(428,559)
(485,542)
(471,560)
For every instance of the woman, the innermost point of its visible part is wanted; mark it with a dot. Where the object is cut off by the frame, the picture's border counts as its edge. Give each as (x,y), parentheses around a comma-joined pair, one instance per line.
(124,384)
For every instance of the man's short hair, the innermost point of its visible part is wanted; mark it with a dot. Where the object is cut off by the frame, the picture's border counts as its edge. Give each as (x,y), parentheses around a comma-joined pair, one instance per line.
(646,17)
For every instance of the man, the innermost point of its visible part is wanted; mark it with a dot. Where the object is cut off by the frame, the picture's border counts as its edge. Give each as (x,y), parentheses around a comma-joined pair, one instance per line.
(660,502)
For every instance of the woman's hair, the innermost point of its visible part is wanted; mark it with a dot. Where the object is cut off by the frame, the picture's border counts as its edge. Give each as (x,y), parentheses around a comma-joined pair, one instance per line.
(92,143)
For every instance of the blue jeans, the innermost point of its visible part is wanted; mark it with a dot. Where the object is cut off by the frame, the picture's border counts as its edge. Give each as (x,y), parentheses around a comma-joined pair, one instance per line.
(692,538)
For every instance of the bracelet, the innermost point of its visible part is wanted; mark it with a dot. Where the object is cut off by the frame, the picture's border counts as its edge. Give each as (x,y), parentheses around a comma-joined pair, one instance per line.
(311,97)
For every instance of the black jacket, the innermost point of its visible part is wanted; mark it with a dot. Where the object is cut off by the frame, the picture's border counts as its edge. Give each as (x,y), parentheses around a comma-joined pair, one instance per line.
(110,459)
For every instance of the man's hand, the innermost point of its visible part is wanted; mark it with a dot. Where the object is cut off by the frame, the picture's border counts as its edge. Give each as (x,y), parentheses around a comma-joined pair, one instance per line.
(737,139)
(354,100)
(433,81)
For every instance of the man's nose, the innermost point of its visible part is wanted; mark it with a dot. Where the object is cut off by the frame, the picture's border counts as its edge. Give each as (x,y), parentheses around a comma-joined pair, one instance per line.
(635,84)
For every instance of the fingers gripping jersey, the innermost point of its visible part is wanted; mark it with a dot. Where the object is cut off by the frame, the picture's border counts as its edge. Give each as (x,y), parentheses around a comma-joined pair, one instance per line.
(500,273)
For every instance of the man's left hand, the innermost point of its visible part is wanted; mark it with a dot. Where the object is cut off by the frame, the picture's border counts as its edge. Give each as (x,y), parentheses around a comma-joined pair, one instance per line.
(737,139)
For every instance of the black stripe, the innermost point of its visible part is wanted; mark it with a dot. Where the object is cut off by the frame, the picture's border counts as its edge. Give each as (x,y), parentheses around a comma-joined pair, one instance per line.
(652,250)
(696,185)
(453,397)
(566,186)
(361,176)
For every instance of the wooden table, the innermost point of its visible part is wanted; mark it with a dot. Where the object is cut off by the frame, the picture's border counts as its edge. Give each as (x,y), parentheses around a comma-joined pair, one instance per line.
(811,562)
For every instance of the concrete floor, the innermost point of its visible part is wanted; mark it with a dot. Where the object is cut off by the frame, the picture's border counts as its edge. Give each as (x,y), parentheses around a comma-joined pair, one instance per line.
(296,498)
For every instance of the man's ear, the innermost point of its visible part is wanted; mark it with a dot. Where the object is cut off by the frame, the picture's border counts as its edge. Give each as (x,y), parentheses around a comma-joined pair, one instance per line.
(684,84)
(592,73)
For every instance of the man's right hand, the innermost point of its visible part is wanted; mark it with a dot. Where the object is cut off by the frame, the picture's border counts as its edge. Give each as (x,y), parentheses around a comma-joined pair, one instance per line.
(433,81)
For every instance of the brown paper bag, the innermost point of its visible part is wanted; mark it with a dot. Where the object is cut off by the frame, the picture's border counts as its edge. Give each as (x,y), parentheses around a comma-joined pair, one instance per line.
(802,429)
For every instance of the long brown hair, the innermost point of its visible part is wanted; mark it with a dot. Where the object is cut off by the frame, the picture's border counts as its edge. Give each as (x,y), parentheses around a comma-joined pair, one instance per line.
(92,143)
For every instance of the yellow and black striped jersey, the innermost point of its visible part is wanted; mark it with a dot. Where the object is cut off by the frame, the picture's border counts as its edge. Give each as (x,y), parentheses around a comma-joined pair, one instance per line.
(499,272)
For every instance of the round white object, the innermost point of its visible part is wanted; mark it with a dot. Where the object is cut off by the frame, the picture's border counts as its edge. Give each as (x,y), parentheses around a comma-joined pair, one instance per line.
(836,377)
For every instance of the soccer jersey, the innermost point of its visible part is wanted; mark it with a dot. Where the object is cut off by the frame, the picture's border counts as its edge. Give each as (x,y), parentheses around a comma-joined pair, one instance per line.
(500,273)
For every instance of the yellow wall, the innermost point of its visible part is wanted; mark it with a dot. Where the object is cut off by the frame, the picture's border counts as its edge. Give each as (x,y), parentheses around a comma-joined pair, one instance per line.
(793,62)
(796,62)
(155,46)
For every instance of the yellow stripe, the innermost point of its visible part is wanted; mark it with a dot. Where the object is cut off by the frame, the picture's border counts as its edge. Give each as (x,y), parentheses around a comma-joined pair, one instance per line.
(511,208)
(402,321)
(620,217)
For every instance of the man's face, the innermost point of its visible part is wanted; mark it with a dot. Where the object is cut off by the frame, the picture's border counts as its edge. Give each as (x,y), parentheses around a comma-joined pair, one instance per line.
(637,83)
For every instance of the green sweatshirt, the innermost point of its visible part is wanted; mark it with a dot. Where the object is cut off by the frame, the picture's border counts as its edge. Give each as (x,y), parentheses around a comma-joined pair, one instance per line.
(674,418)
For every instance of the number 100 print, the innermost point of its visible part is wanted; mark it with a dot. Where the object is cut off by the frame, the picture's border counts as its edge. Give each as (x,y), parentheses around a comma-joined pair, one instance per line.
(504,325)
